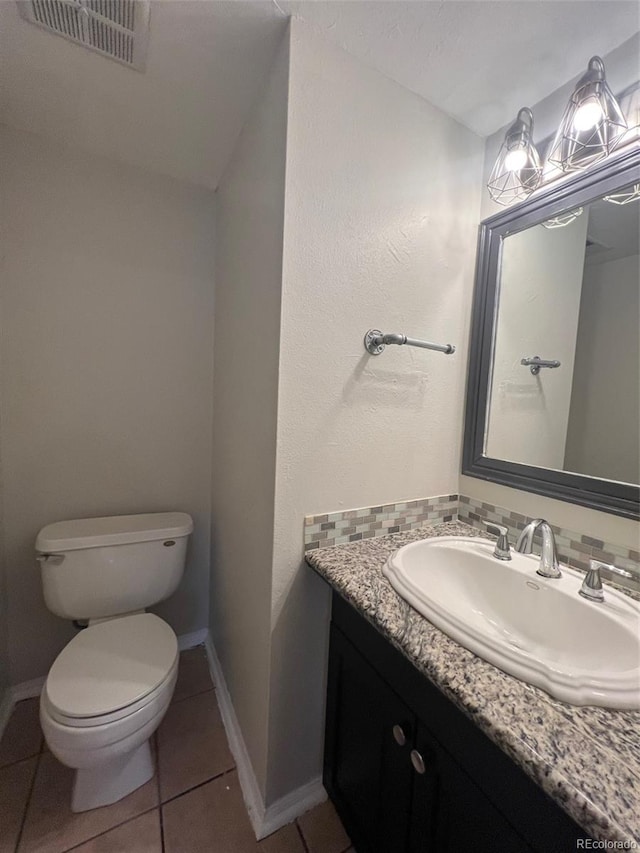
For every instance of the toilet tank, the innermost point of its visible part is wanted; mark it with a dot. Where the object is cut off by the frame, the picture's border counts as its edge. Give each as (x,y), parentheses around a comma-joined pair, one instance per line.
(94,568)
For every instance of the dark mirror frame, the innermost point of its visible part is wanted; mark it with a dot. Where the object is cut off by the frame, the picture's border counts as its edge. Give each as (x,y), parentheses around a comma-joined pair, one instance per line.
(622,499)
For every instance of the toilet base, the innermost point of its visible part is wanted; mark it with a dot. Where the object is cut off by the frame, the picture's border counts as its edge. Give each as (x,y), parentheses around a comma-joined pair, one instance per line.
(107,783)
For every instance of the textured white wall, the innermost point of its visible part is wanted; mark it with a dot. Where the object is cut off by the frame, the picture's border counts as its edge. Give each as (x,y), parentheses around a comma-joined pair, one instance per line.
(604,422)
(106,348)
(539,305)
(382,204)
(250,203)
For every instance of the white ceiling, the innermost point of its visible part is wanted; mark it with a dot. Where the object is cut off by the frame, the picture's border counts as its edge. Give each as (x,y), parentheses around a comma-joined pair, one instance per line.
(614,228)
(478,60)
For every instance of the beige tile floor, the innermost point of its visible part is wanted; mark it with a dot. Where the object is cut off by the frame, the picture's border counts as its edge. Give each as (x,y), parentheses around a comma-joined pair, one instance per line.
(192,805)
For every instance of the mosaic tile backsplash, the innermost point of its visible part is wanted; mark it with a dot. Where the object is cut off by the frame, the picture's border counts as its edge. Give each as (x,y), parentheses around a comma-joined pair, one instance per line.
(338,528)
(574,549)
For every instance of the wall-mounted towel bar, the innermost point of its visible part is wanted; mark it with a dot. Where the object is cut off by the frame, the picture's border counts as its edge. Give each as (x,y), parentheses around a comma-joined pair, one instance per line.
(535,363)
(375,341)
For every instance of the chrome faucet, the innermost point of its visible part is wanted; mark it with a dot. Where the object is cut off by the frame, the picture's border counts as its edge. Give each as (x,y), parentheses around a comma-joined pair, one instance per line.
(548,567)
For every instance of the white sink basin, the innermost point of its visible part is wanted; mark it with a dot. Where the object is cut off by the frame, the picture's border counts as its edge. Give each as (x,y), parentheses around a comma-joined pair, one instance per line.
(537,629)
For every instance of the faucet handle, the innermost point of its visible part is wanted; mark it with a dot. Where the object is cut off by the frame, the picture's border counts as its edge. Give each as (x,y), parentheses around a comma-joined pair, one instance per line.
(502,550)
(592,584)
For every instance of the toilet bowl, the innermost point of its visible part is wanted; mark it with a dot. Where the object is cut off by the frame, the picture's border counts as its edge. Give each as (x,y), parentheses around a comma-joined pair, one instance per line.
(110,687)
(105,695)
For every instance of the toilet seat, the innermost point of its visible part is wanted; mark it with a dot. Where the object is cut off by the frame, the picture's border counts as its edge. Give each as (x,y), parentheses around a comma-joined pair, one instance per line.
(111,670)
(120,714)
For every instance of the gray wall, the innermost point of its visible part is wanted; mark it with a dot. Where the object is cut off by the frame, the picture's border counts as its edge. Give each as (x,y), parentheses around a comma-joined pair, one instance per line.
(603,436)
(540,284)
(106,350)
(250,202)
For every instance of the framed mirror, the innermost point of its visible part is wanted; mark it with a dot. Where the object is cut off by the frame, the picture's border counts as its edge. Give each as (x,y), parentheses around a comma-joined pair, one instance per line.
(553,390)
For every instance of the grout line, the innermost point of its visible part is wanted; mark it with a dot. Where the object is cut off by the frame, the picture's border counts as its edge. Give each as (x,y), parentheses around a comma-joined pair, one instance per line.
(26,757)
(28,801)
(192,695)
(161,829)
(302,838)
(199,785)
(106,831)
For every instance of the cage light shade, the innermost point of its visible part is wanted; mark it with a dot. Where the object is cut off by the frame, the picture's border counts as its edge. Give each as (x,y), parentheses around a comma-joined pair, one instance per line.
(592,124)
(517,171)
(625,196)
(563,219)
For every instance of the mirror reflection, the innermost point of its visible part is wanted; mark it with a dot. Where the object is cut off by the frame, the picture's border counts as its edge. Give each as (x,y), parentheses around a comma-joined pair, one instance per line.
(565,385)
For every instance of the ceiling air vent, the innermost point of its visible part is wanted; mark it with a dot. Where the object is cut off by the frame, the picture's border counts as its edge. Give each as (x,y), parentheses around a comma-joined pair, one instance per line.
(118,29)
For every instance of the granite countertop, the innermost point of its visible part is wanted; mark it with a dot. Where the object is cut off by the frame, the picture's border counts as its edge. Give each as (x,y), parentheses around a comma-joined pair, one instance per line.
(586,758)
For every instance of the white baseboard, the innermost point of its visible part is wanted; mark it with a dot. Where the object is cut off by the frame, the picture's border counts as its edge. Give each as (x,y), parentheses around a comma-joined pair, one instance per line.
(291,806)
(195,638)
(27,689)
(263,820)
(247,778)
(15,694)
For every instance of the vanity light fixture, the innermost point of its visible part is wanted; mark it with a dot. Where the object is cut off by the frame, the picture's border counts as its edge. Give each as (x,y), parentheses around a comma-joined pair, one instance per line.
(517,171)
(626,196)
(592,124)
(563,219)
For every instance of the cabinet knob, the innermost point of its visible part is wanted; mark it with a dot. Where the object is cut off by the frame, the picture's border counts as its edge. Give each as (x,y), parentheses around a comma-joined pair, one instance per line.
(418,762)
(399,735)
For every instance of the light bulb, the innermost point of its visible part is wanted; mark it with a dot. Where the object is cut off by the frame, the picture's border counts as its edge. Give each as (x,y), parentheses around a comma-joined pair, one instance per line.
(588,116)
(517,170)
(515,160)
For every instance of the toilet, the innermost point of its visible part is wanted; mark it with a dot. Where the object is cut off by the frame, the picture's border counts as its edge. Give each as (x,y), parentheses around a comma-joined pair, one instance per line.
(111,685)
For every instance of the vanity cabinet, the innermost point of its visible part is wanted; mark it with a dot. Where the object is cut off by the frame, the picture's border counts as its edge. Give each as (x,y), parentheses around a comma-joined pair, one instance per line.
(408,772)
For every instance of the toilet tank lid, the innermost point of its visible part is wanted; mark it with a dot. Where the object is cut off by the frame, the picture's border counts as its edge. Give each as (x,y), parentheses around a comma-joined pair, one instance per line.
(112,530)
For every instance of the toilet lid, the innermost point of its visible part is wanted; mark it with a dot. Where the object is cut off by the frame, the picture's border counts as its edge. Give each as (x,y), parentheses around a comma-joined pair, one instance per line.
(111,665)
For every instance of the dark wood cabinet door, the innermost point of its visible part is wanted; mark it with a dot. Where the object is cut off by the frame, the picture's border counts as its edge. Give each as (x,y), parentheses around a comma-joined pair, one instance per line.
(423,827)
(463,818)
(465,794)
(367,772)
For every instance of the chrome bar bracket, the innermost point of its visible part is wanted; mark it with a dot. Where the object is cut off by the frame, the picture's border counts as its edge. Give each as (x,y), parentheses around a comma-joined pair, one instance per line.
(535,363)
(375,342)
